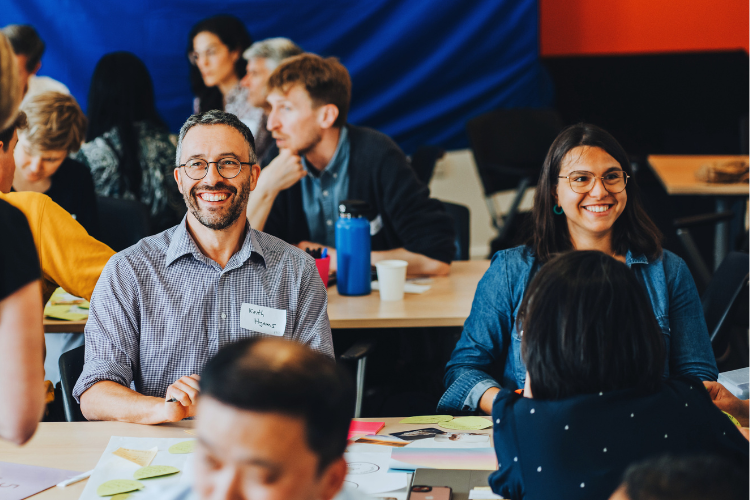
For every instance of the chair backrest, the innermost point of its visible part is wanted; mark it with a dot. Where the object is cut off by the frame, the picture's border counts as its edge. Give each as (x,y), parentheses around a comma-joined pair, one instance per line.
(727,285)
(423,161)
(461,224)
(511,138)
(71,366)
(122,223)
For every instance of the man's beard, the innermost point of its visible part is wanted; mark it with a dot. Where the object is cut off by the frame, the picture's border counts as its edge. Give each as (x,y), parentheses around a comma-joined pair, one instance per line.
(214,220)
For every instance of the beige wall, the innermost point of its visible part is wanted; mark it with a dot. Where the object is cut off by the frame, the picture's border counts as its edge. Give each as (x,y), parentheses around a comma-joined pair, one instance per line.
(456,180)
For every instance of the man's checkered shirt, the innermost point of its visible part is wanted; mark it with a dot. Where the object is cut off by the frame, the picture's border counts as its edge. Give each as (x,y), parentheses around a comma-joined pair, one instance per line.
(161,309)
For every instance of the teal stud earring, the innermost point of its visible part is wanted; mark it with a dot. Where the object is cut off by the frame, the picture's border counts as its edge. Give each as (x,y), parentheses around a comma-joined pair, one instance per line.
(556,208)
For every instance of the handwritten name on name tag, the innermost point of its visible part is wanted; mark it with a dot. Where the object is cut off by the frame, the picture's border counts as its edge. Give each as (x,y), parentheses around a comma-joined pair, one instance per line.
(263,319)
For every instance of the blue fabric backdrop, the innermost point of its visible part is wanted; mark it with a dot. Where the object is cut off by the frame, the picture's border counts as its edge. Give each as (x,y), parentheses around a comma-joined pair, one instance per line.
(420,68)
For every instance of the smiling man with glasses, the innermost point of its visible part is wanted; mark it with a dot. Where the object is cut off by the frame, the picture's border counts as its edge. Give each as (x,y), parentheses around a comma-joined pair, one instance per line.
(164,306)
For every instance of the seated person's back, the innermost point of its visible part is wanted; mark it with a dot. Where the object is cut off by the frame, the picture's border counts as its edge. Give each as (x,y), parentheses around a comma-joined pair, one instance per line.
(163,307)
(594,398)
(322,161)
(56,129)
(128,149)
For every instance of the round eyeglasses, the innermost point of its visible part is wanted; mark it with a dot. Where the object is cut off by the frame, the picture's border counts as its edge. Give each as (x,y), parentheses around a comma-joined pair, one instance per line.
(582,182)
(228,168)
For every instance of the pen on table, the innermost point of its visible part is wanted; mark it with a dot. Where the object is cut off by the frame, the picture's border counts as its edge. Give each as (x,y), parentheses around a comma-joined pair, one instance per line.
(75,479)
(171,400)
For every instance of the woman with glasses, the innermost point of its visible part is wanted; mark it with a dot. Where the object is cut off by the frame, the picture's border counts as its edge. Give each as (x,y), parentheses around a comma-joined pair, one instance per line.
(128,148)
(215,47)
(586,199)
(594,399)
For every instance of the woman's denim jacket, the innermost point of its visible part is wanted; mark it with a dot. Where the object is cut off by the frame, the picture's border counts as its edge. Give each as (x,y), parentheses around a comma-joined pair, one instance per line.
(490,342)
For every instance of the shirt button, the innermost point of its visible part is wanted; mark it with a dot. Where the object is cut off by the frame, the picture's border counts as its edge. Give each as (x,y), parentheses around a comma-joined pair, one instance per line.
(335,176)
(223,315)
(329,222)
(325,193)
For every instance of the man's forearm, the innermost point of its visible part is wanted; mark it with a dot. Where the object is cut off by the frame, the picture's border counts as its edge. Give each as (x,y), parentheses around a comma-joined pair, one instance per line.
(107,400)
(418,263)
(259,207)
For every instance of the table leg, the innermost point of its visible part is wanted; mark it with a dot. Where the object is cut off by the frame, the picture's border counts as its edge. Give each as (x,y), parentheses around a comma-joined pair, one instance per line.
(721,235)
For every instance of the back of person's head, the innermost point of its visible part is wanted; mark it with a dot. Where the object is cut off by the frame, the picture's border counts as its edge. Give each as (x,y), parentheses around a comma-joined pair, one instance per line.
(633,230)
(273,50)
(10,90)
(588,327)
(326,81)
(684,478)
(121,93)
(278,376)
(232,33)
(56,123)
(26,42)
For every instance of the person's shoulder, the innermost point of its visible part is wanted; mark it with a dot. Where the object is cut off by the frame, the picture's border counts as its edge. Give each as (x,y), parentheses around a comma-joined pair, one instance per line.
(28,202)
(370,139)
(278,250)
(40,84)
(12,216)
(73,169)
(150,249)
(520,258)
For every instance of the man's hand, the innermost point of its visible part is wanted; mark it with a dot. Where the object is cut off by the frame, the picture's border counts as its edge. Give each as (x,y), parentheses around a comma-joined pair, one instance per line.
(283,172)
(303,245)
(185,393)
(728,402)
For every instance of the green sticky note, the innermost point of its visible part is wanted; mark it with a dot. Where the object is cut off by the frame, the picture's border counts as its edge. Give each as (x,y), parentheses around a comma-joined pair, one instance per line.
(467,424)
(426,419)
(155,471)
(115,486)
(183,447)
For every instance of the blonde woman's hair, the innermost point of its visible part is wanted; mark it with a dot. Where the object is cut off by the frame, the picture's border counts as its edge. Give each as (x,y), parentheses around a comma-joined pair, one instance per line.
(10,90)
(56,122)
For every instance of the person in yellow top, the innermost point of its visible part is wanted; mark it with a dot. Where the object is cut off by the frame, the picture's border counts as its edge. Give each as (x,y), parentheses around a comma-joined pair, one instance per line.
(68,256)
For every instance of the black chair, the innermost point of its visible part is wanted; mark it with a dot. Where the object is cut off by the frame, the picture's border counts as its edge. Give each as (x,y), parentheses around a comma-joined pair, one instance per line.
(71,366)
(461,224)
(509,147)
(423,161)
(725,307)
(122,223)
(696,262)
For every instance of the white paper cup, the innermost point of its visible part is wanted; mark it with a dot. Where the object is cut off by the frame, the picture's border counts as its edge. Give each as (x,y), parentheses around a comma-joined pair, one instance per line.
(391,279)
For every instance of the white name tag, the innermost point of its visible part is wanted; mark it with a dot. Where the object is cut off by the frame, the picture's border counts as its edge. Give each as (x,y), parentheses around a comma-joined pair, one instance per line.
(263,319)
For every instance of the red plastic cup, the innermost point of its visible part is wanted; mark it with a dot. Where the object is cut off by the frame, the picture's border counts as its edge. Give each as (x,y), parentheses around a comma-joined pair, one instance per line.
(323,265)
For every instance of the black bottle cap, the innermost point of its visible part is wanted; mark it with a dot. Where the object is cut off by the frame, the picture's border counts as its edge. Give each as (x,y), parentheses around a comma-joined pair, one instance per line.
(354,208)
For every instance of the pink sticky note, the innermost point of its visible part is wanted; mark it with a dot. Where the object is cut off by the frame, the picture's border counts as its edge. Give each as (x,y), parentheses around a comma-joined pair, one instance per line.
(358,428)
(19,481)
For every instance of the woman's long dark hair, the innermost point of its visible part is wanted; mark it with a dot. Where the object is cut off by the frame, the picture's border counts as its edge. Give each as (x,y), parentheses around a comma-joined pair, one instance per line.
(120,95)
(587,327)
(633,230)
(232,33)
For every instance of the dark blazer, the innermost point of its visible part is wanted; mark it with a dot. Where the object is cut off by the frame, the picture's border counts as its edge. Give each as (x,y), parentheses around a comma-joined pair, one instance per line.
(380,174)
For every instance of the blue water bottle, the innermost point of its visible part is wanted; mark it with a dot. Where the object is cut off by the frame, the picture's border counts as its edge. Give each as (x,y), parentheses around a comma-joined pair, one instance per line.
(353,248)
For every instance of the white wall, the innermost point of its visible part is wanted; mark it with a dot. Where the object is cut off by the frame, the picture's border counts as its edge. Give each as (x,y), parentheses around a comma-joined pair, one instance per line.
(456,180)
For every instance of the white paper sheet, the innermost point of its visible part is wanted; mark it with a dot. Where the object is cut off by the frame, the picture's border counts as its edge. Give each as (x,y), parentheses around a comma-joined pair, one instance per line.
(368,473)
(113,467)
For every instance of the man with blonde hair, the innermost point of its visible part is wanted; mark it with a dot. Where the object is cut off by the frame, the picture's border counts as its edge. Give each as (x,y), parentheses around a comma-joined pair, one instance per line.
(262,58)
(323,160)
(57,127)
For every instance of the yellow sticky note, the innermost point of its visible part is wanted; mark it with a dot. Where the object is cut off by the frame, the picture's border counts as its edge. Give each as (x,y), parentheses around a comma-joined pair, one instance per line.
(116,486)
(192,432)
(140,457)
(155,471)
(121,496)
(466,424)
(68,313)
(183,447)
(426,419)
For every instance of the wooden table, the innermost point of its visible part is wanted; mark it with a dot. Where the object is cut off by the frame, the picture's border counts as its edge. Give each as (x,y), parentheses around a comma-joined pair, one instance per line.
(677,175)
(79,445)
(447,303)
